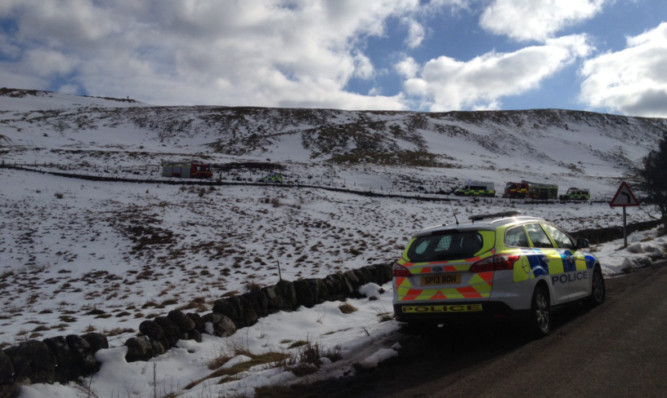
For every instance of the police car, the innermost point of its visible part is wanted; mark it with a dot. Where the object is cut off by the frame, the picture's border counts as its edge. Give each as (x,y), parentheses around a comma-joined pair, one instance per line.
(501,265)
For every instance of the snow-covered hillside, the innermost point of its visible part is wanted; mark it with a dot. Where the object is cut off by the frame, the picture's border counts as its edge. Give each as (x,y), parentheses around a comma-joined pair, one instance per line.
(79,255)
(96,135)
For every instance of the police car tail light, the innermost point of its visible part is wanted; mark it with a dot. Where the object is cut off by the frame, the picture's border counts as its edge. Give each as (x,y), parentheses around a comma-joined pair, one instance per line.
(400,271)
(497,262)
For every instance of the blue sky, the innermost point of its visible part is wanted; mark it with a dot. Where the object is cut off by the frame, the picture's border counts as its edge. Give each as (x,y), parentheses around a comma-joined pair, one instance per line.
(429,55)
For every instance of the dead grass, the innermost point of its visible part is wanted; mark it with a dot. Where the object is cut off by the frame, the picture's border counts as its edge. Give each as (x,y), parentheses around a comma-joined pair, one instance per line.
(308,359)
(297,344)
(347,308)
(268,359)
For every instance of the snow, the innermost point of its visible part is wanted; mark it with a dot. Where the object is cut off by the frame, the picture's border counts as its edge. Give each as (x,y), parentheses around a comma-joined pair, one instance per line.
(324,325)
(79,255)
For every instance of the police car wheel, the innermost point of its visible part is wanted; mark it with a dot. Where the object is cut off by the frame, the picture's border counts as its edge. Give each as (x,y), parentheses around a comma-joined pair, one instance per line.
(598,291)
(541,312)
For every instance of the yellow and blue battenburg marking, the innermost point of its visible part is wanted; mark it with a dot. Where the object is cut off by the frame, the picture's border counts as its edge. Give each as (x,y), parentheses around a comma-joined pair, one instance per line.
(535,263)
(532,263)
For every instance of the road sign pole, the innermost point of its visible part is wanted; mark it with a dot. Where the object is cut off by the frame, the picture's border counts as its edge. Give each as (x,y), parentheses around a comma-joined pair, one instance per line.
(625,230)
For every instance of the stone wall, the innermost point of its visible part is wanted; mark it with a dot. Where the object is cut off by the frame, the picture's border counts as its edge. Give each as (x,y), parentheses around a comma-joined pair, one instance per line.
(56,359)
(68,358)
(232,313)
(601,235)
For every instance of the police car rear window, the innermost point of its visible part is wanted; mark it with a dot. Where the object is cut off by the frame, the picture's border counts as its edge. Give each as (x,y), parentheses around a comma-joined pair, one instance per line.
(448,246)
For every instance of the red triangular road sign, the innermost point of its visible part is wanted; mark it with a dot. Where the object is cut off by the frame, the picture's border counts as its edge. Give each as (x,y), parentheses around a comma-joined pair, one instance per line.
(624,197)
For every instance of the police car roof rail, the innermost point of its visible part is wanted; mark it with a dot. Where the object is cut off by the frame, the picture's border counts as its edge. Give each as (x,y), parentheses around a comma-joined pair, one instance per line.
(502,214)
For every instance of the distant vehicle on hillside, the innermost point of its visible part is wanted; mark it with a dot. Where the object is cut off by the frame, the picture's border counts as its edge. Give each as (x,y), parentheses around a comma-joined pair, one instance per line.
(272,178)
(532,190)
(574,193)
(515,190)
(542,191)
(186,170)
(476,188)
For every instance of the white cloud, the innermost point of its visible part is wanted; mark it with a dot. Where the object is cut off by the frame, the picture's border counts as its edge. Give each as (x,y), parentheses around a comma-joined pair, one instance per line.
(448,84)
(225,52)
(536,20)
(60,22)
(19,80)
(47,63)
(632,81)
(436,6)
(7,48)
(407,67)
(363,66)
(416,33)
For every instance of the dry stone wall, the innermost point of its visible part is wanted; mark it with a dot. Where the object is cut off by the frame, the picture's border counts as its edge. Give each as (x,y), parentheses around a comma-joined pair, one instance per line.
(68,358)
(601,235)
(56,359)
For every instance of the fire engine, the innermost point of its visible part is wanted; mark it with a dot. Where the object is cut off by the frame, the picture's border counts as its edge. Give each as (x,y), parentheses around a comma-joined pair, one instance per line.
(532,190)
(187,170)
(516,190)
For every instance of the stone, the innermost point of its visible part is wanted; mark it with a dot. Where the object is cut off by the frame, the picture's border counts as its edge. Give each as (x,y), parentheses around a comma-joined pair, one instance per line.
(84,354)
(33,362)
(97,341)
(220,324)
(184,323)
(67,364)
(142,348)
(6,369)
(231,307)
(171,331)
(151,329)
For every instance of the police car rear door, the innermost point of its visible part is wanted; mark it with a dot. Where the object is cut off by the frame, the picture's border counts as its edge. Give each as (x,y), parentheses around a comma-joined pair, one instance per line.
(574,263)
(553,258)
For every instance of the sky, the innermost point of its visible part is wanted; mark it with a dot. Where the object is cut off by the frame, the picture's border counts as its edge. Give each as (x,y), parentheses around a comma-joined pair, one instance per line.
(422,55)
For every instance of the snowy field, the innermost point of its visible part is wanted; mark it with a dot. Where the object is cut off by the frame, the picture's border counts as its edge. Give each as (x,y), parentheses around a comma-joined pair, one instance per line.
(78,256)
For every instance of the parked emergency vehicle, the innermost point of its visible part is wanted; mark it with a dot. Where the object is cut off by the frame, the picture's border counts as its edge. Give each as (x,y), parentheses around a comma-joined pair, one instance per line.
(187,170)
(515,190)
(498,266)
(574,193)
(272,178)
(532,190)
(476,188)
(542,191)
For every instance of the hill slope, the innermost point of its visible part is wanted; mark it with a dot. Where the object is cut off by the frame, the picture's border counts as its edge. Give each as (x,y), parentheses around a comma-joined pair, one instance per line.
(533,144)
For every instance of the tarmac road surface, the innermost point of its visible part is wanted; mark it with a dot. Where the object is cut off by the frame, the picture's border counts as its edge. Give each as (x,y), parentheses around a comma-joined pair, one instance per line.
(618,349)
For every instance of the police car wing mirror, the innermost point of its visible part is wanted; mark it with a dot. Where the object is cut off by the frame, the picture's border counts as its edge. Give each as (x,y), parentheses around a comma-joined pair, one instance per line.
(582,243)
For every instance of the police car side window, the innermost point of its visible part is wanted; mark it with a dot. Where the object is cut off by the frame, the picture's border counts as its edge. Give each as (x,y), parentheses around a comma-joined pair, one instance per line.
(538,236)
(516,237)
(562,240)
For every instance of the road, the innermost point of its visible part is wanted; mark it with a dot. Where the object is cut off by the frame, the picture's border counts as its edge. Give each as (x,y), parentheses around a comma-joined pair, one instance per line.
(618,349)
